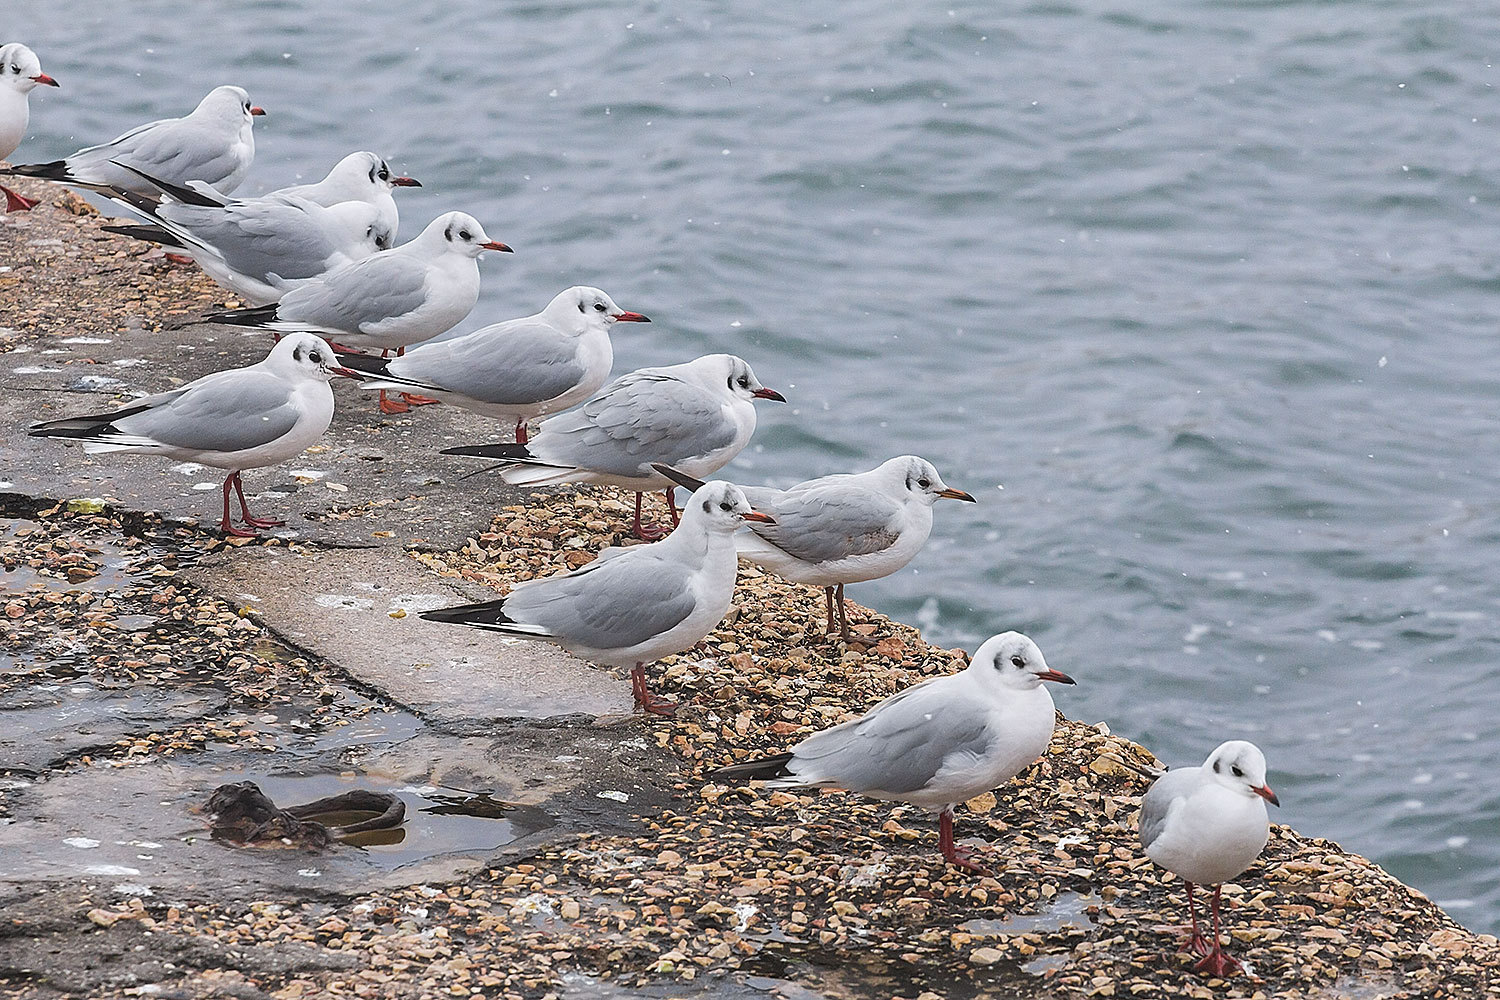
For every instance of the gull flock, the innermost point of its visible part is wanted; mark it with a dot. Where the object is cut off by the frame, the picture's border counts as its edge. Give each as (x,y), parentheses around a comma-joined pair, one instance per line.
(318,264)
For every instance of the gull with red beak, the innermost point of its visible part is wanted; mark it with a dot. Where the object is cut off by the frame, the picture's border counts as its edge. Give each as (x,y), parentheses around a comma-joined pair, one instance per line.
(939,743)
(1206,825)
(694,417)
(842,529)
(243,418)
(20,74)
(633,605)
(214,144)
(385,302)
(520,369)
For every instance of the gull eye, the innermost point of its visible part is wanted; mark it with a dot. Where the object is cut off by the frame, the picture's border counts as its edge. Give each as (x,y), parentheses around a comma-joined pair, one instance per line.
(744,382)
(924,483)
(465,235)
(726,505)
(1235,770)
(598,307)
(1018,661)
(317,358)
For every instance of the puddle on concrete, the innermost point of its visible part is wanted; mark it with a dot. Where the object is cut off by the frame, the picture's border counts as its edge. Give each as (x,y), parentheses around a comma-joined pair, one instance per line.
(439,821)
(1069,910)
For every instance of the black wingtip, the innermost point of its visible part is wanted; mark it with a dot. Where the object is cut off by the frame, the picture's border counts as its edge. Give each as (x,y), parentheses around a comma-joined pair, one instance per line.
(146,234)
(56,170)
(508,451)
(186,195)
(482,613)
(762,769)
(682,479)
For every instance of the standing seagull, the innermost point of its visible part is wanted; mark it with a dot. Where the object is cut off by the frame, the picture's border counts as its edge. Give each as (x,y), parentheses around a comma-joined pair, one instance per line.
(934,745)
(213,144)
(521,368)
(694,417)
(244,418)
(404,296)
(361,176)
(842,529)
(20,74)
(631,606)
(1206,825)
(260,248)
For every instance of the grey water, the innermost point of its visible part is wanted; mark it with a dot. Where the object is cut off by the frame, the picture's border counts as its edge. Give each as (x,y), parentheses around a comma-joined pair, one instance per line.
(1198,298)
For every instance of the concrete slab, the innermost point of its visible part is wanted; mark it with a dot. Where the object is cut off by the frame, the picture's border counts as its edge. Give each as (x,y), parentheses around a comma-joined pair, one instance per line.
(357,608)
(371,473)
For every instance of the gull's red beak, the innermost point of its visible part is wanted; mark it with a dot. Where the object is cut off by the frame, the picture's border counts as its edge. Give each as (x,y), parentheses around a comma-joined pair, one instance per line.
(346,372)
(630,317)
(44,78)
(1264,791)
(405,182)
(1056,675)
(258,112)
(496,245)
(756,515)
(764,393)
(952,494)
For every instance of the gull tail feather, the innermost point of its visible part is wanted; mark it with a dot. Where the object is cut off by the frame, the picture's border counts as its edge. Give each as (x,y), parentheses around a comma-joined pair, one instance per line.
(763,769)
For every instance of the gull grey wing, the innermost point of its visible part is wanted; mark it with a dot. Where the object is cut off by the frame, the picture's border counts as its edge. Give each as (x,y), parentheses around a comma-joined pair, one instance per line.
(611,603)
(637,420)
(229,411)
(829,522)
(178,150)
(1156,805)
(258,238)
(900,744)
(529,363)
(359,295)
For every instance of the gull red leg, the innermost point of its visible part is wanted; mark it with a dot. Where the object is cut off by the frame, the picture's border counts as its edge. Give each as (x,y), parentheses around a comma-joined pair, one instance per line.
(828,593)
(254,522)
(843,613)
(672,507)
(644,699)
(16,202)
(520,430)
(224,524)
(650,532)
(1216,963)
(958,857)
(413,399)
(1194,945)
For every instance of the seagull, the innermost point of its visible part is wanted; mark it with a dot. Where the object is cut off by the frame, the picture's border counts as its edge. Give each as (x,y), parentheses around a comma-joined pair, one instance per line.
(243,418)
(261,248)
(936,744)
(633,605)
(362,176)
(1206,825)
(20,74)
(694,417)
(214,144)
(842,529)
(521,368)
(387,301)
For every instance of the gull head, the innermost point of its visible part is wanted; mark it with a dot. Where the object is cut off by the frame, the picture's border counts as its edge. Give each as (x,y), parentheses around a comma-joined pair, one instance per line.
(1012,660)
(721,508)
(306,356)
(582,309)
(1241,766)
(364,175)
(734,374)
(21,70)
(459,233)
(229,105)
(920,481)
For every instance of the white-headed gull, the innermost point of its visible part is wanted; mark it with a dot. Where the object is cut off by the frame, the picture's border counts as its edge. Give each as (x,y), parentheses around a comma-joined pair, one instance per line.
(694,417)
(243,418)
(844,528)
(939,743)
(633,605)
(20,74)
(403,296)
(213,144)
(519,369)
(1205,825)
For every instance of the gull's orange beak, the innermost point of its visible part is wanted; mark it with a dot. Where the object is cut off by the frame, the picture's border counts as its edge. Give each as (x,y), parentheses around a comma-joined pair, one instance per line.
(496,245)
(764,393)
(756,515)
(952,494)
(1264,791)
(405,182)
(258,112)
(346,372)
(1056,675)
(630,317)
(44,78)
